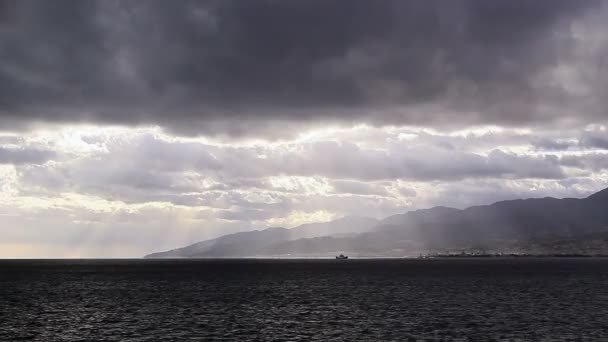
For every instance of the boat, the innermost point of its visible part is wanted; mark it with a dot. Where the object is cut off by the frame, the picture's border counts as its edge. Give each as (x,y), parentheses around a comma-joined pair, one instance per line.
(341,257)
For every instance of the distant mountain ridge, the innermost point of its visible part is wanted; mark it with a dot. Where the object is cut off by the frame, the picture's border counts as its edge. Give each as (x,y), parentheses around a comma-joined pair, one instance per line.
(250,242)
(527,225)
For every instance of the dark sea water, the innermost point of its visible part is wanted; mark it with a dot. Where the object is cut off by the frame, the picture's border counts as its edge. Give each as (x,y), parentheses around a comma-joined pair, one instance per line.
(304,300)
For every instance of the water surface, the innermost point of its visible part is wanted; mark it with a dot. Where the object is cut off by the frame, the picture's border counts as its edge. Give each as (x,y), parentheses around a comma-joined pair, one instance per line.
(304,300)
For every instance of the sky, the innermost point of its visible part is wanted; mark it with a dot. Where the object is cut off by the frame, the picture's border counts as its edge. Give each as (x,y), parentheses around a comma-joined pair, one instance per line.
(128,127)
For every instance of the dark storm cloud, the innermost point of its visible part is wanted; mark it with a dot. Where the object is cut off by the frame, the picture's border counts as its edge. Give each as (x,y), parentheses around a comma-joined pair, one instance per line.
(206,66)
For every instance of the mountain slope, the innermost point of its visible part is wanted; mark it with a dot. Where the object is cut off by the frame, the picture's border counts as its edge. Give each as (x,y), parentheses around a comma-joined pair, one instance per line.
(251,242)
(503,225)
(506,225)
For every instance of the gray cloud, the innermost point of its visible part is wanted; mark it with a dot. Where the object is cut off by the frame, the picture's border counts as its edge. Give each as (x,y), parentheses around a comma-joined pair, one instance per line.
(24,156)
(235,67)
(246,215)
(595,139)
(144,168)
(422,163)
(590,162)
(360,188)
(548,144)
(583,140)
(483,191)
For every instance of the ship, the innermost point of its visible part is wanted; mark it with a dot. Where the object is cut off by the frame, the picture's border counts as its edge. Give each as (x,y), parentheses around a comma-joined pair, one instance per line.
(341,257)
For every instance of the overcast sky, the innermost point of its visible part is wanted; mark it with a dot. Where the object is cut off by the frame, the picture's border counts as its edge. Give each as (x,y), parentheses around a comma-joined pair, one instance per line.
(128,127)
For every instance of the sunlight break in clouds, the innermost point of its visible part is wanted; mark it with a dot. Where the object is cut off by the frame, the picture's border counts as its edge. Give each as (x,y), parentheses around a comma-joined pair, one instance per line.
(99,190)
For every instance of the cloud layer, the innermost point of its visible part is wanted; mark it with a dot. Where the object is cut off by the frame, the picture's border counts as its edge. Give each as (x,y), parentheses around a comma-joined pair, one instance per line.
(138,190)
(254,67)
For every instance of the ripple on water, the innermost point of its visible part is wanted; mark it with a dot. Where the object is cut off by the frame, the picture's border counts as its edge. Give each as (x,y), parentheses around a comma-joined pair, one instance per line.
(299,300)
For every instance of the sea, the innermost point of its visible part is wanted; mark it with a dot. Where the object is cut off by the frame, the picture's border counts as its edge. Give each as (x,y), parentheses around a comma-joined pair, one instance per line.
(469,299)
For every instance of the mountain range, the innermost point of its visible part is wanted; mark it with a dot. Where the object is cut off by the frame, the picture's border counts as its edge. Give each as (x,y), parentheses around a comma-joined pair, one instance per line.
(539,225)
